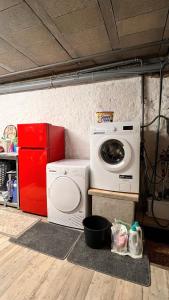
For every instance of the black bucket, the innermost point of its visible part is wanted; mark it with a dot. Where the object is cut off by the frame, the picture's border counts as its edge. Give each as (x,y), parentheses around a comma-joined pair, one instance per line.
(97,231)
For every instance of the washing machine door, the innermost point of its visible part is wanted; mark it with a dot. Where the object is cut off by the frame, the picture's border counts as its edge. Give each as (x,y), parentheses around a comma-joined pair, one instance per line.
(65,194)
(115,154)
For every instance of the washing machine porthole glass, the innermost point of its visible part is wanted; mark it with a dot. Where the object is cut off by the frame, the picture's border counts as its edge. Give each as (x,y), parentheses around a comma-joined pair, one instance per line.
(112,151)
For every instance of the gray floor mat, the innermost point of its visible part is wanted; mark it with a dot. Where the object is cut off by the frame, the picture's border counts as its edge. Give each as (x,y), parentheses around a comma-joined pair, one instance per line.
(49,238)
(103,260)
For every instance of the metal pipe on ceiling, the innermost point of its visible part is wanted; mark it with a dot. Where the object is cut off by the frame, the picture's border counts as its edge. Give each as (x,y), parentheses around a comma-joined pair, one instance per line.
(29,85)
(78,78)
(79,60)
(112,65)
(68,62)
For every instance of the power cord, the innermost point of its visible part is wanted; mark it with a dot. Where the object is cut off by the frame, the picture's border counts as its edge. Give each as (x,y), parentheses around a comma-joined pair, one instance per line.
(157,117)
(157,150)
(152,181)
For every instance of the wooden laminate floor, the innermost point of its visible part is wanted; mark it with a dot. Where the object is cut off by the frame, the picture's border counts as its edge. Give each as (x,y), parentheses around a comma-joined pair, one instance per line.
(26,274)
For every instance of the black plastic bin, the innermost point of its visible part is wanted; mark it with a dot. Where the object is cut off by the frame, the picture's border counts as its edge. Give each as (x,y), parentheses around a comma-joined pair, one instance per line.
(97,231)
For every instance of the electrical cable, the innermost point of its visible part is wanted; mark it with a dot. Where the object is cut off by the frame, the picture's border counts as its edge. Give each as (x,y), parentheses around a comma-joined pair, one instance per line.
(157,117)
(150,163)
(142,160)
(142,92)
(144,155)
(157,149)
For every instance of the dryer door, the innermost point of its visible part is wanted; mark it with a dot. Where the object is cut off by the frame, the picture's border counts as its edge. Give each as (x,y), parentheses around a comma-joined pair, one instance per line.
(65,194)
(115,154)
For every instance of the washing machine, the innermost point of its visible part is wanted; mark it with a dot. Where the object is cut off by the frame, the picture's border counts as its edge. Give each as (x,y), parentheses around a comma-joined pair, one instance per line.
(67,192)
(115,156)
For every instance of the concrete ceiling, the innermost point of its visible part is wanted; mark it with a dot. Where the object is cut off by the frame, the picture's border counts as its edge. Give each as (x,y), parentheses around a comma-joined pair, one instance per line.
(74,34)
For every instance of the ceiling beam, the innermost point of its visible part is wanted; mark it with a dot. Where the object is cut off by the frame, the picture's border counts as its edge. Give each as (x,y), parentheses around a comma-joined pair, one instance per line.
(47,21)
(109,20)
(51,69)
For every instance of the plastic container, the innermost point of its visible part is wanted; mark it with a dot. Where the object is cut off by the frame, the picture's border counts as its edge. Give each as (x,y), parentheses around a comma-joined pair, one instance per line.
(11,147)
(9,187)
(97,231)
(135,241)
(119,238)
(14,191)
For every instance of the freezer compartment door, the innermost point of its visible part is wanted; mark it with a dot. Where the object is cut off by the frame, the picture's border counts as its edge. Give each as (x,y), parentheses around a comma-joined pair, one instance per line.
(32,181)
(33,135)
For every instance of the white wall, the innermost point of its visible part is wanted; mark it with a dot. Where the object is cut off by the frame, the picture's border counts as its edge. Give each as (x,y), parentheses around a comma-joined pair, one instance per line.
(74,108)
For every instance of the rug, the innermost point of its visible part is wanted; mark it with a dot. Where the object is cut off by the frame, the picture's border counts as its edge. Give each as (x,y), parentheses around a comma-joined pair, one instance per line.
(50,239)
(104,261)
(14,223)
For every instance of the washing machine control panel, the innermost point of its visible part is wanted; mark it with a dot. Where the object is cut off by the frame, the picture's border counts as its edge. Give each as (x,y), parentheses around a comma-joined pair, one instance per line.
(119,127)
(106,131)
(67,172)
(110,131)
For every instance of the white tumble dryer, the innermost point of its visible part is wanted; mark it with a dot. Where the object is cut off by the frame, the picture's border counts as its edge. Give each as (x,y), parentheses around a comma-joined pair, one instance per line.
(115,156)
(67,187)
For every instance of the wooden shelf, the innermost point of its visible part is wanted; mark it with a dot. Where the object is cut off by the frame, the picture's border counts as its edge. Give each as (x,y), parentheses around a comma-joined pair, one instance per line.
(11,204)
(114,195)
(9,155)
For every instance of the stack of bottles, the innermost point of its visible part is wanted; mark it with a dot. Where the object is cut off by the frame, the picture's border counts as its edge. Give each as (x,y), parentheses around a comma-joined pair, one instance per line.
(127,240)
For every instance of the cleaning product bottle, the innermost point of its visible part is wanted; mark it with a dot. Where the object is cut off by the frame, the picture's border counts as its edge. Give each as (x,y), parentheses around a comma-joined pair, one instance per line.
(9,185)
(140,233)
(14,191)
(135,241)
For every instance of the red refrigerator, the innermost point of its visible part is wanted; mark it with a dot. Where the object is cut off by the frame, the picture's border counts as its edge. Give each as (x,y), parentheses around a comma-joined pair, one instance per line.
(39,144)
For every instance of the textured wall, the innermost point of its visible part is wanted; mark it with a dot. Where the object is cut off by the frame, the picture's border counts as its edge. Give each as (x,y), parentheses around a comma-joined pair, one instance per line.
(74,108)
(151,110)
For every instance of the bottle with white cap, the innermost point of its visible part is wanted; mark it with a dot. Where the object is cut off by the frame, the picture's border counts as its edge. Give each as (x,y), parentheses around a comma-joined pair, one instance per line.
(135,241)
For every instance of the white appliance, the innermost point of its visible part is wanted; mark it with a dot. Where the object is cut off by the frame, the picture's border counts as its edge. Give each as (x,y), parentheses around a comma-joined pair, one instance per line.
(115,156)
(67,187)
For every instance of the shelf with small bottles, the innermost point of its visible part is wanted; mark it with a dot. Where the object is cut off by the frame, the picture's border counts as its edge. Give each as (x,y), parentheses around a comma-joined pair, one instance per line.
(9,191)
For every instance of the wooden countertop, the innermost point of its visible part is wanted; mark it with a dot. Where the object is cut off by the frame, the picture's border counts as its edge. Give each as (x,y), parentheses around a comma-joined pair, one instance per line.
(114,195)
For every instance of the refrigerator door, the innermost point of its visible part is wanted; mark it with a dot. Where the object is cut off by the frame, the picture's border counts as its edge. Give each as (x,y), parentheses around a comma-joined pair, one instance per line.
(32,180)
(33,135)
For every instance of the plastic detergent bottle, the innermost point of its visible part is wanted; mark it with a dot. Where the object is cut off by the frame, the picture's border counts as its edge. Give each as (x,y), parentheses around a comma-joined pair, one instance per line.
(9,187)
(14,191)
(135,241)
